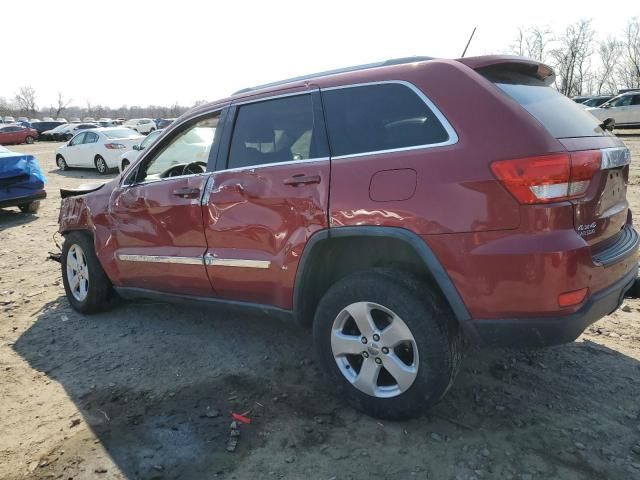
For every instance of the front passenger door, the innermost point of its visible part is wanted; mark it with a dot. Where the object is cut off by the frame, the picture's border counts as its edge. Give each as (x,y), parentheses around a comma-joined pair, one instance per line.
(72,154)
(157,217)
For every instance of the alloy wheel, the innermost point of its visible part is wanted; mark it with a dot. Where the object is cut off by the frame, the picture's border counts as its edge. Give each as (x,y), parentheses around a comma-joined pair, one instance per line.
(77,273)
(374,349)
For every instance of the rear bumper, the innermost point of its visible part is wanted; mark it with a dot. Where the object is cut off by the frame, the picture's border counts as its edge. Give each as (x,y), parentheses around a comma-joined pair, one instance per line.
(14,202)
(536,332)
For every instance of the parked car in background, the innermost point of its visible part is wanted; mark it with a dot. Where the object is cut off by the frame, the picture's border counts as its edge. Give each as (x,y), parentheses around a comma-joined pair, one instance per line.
(75,120)
(53,133)
(75,128)
(624,109)
(142,125)
(61,119)
(9,119)
(15,134)
(369,204)
(106,123)
(23,123)
(42,127)
(48,119)
(98,148)
(21,181)
(89,120)
(163,122)
(596,101)
(131,156)
(22,119)
(580,98)
(34,120)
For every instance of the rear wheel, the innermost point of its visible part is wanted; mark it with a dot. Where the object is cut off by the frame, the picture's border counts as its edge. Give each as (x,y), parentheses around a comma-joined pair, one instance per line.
(62,164)
(87,287)
(29,139)
(101,165)
(32,207)
(388,342)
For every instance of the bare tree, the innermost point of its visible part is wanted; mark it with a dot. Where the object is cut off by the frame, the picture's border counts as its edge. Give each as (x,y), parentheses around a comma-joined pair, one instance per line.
(572,58)
(533,42)
(629,69)
(609,51)
(61,105)
(26,99)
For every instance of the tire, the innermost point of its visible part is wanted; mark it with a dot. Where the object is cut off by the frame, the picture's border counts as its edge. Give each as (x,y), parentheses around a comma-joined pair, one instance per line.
(101,165)
(61,162)
(29,140)
(427,360)
(94,295)
(32,207)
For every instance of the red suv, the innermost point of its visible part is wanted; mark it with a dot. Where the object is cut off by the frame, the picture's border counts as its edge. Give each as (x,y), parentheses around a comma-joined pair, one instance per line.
(397,208)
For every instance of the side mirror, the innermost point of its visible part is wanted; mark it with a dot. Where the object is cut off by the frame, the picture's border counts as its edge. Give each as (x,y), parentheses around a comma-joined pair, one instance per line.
(608,124)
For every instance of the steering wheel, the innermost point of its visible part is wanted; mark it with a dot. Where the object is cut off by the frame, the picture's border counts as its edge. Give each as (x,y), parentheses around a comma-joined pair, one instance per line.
(194,167)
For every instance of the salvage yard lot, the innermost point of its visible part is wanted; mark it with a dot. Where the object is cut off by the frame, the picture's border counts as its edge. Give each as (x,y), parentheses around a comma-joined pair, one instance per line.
(146,390)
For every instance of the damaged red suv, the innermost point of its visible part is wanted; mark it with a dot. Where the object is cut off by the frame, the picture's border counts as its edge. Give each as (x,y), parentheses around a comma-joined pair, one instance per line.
(397,208)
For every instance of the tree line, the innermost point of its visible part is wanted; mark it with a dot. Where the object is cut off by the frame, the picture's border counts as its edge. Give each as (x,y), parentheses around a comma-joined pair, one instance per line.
(24,104)
(585,64)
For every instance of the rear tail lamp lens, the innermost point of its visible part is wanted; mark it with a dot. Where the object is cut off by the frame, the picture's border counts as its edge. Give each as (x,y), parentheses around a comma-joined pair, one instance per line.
(548,178)
(114,146)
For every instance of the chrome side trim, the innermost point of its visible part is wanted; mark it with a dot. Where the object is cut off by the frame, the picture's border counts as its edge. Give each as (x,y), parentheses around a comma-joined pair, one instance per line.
(160,259)
(453,136)
(210,260)
(615,157)
(253,99)
(263,165)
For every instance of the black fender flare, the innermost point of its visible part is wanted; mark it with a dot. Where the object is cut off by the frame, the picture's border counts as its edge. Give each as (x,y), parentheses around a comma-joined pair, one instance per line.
(423,251)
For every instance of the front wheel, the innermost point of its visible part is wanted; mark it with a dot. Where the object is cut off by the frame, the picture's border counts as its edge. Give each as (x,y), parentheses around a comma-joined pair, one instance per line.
(388,341)
(62,164)
(29,140)
(101,165)
(87,287)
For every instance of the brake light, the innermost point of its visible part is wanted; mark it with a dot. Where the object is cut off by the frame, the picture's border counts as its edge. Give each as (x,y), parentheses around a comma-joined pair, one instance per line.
(548,178)
(114,146)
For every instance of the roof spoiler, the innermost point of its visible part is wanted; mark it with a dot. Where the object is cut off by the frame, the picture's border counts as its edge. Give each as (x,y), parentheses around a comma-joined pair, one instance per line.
(527,66)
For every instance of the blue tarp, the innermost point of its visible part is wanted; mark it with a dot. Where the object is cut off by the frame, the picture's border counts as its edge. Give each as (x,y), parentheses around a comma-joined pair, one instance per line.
(20,175)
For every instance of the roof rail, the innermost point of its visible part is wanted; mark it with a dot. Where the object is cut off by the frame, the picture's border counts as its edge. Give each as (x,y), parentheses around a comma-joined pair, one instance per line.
(355,68)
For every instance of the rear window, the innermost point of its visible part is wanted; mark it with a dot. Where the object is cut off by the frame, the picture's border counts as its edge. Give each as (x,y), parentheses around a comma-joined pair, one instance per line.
(561,116)
(374,118)
(121,133)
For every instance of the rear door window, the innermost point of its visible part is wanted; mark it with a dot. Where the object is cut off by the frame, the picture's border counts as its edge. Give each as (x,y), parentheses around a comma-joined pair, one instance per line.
(561,116)
(375,118)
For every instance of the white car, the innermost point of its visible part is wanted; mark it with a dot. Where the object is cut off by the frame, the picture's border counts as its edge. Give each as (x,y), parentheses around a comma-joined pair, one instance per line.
(9,119)
(98,148)
(131,156)
(142,125)
(624,109)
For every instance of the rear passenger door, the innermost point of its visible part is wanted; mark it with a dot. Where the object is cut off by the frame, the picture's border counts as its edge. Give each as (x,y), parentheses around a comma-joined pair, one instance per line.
(268,196)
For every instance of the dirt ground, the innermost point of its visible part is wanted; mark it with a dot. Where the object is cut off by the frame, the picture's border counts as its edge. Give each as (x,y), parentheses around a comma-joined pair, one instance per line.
(144,391)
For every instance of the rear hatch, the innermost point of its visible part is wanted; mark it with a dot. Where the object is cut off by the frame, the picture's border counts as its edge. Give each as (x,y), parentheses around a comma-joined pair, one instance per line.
(598,161)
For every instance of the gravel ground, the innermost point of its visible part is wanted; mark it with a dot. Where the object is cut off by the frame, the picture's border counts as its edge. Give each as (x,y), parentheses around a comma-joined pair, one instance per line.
(145,391)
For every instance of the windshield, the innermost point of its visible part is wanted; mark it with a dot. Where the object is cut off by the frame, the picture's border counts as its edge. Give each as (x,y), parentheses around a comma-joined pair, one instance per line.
(618,101)
(121,133)
(60,128)
(561,116)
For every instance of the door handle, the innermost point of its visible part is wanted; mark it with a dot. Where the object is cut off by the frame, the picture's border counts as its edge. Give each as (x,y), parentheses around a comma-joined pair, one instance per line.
(187,192)
(302,180)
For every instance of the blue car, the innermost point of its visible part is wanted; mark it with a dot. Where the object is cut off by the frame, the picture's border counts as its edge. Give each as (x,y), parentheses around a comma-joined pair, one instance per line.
(21,181)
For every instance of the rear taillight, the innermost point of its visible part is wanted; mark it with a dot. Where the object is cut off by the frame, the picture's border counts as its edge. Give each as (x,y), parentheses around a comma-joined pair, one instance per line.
(548,178)
(114,146)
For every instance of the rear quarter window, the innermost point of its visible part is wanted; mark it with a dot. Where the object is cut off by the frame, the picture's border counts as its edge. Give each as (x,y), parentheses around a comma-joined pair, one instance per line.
(375,118)
(561,116)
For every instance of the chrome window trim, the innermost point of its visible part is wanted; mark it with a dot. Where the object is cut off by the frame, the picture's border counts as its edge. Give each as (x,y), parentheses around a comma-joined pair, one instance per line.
(614,157)
(273,164)
(453,136)
(273,97)
(160,259)
(213,261)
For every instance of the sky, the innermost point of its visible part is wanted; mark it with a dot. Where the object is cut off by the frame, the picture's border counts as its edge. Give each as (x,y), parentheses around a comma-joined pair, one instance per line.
(140,52)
